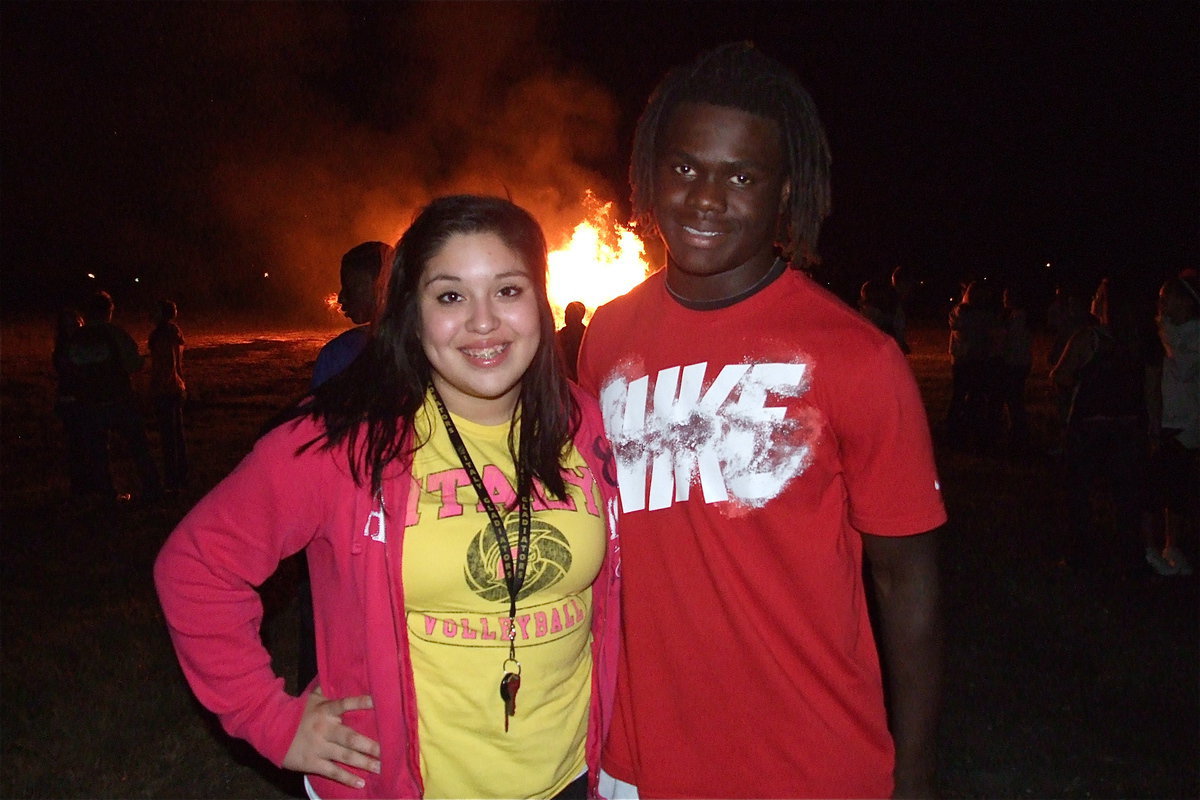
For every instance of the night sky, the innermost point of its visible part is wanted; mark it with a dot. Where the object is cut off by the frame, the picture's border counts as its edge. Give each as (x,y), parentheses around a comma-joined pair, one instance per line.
(197,146)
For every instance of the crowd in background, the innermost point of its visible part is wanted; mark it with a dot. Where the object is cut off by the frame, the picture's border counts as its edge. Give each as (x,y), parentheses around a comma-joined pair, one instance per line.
(94,362)
(1123,367)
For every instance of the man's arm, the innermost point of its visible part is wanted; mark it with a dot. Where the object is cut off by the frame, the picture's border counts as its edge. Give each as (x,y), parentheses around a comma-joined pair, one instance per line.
(127,350)
(905,575)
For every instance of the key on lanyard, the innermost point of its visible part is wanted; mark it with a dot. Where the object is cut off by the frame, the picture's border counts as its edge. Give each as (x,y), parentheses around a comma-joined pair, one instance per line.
(509,685)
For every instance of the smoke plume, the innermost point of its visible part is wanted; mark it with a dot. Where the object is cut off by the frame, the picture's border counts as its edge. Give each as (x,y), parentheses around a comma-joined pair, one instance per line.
(450,98)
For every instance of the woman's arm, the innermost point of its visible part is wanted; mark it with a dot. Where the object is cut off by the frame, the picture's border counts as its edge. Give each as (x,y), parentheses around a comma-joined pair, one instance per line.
(207,573)
(1079,349)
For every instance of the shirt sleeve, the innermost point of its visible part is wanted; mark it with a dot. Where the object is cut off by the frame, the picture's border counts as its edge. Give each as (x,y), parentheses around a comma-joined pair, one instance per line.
(207,574)
(887,452)
(322,369)
(131,359)
(337,354)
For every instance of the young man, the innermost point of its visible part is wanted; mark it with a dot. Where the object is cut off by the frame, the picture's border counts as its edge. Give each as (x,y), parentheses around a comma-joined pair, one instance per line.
(570,335)
(101,358)
(361,266)
(360,270)
(767,436)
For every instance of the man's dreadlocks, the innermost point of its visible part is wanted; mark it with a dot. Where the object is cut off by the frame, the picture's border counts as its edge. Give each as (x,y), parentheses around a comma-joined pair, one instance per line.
(737,75)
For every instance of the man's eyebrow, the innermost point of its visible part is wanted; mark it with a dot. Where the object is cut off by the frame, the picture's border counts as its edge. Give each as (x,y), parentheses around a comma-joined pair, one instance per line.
(743,163)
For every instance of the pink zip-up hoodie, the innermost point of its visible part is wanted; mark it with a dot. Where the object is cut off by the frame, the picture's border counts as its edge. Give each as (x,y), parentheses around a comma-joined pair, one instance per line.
(276,503)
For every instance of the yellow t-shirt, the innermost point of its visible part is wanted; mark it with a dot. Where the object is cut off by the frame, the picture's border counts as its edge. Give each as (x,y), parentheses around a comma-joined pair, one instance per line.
(456,605)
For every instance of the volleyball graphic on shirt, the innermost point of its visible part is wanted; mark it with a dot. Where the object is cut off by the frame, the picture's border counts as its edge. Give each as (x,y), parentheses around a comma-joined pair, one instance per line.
(549,560)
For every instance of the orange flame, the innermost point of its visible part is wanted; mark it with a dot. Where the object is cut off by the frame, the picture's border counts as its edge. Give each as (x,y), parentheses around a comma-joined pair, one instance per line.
(331,301)
(602,260)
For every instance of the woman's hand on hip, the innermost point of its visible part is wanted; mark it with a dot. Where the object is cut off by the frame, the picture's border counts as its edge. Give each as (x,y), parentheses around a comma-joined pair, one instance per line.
(323,744)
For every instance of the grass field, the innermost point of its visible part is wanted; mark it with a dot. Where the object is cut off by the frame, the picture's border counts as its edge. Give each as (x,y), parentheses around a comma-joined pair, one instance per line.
(1060,683)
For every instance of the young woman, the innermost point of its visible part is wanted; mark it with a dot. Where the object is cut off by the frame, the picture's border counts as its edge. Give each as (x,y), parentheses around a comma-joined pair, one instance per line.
(453,492)
(66,403)
(1104,370)
(168,392)
(1178,424)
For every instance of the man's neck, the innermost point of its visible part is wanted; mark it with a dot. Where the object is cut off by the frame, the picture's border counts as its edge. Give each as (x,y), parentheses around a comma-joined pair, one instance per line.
(710,302)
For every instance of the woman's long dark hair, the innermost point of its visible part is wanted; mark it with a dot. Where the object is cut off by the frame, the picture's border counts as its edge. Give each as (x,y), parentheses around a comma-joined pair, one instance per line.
(372,404)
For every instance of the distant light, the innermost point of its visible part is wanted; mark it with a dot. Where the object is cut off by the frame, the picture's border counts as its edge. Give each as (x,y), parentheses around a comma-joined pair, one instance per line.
(1047,265)
(266,274)
(137,280)
(90,275)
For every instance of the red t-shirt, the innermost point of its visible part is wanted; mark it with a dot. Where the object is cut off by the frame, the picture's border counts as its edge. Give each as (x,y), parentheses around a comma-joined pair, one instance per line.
(753,444)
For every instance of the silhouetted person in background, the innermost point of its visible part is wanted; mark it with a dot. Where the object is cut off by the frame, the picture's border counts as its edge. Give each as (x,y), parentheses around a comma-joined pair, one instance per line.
(361,266)
(571,334)
(1103,368)
(360,271)
(974,348)
(904,286)
(1016,357)
(877,302)
(102,358)
(1177,425)
(168,393)
(66,401)
(1067,315)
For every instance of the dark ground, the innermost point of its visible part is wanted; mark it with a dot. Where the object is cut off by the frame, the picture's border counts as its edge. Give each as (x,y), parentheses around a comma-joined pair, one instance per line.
(1061,682)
